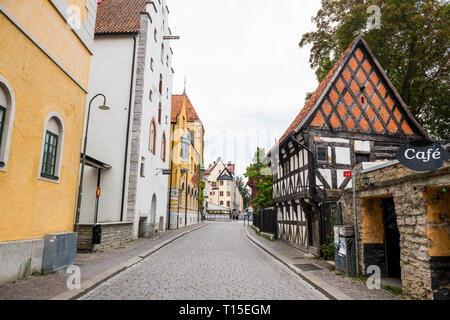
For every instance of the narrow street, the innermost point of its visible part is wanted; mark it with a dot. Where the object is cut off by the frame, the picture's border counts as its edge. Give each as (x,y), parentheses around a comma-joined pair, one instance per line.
(216,262)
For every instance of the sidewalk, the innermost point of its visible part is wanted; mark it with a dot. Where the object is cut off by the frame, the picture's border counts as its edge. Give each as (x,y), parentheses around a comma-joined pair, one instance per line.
(95,269)
(325,279)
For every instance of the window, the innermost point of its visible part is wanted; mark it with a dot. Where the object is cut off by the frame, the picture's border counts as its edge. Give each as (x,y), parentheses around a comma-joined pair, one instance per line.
(221,203)
(51,152)
(228,194)
(2,122)
(160,84)
(150,95)
(362,157)
(151,64)
(228,204)
(322,154)
(159,113)
(155,34)
(152,138)
(167,60)
(49,160)
(142,171)
(7,107)
(162,52)
(221,183)
(163,147)
(221,193)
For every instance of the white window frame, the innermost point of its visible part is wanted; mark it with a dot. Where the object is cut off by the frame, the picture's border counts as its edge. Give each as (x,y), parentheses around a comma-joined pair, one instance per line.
(9,120)
(60,148)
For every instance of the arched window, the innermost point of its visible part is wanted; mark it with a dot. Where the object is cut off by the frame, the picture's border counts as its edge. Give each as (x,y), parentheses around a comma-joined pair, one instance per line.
(52,146)
(159,113)
(7,107)
(163,147)
(160,83)
(152,138)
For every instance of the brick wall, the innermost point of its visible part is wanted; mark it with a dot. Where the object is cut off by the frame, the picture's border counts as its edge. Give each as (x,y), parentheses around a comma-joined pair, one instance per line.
(113,236)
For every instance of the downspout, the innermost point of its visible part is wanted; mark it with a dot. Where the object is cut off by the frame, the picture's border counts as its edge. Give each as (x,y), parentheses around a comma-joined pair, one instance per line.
(171,168)
(125,166)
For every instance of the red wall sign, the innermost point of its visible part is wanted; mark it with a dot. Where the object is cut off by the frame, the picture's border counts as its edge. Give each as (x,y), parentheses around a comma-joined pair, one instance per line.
(347,174)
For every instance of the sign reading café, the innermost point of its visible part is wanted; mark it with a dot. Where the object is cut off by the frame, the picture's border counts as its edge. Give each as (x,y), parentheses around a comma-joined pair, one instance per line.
(422,156)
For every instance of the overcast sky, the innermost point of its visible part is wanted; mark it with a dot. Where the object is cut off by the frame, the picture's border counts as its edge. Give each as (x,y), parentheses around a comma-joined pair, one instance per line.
(246,75)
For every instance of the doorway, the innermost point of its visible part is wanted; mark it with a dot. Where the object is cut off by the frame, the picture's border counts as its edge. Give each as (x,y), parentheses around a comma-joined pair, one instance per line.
(391,239)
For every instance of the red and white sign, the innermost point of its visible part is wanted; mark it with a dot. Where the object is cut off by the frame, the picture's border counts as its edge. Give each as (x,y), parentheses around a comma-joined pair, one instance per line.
(99,192)
(347,174)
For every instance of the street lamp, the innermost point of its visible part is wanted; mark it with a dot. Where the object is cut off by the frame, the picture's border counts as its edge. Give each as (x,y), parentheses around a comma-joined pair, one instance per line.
(103,107)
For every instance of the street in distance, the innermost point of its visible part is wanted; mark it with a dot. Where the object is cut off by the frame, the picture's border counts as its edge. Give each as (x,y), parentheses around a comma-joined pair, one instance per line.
(227,309)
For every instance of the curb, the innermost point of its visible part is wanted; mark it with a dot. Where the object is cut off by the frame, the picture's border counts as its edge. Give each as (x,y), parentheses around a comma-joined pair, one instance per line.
(92,283)
(329,291)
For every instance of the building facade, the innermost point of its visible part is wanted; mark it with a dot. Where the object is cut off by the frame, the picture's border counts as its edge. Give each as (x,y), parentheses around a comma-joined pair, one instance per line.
(132,68)
(224,188)
(46,53)
(403,225)
(186,162)
(355,115)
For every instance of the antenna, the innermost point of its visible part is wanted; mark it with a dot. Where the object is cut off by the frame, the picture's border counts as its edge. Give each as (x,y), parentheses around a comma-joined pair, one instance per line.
(184,91)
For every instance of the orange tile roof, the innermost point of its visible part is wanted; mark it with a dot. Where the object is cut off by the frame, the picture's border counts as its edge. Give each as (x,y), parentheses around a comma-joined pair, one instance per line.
(315,97)
(177,104)
(119,16)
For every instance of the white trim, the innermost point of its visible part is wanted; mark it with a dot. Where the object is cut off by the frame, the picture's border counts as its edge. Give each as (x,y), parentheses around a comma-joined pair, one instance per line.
(40,46)
(9,120)
(59,155)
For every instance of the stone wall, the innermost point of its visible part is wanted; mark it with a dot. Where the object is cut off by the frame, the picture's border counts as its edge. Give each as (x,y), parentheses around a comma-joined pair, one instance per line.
(113,236)
(413,219)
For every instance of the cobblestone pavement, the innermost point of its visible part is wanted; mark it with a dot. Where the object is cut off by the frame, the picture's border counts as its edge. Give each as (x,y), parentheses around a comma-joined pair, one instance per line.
(216,262)
(38,287)
(354,288)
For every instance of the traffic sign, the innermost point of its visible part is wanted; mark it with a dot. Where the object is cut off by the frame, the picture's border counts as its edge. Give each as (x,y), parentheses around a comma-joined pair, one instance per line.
(347,174)
(99,192)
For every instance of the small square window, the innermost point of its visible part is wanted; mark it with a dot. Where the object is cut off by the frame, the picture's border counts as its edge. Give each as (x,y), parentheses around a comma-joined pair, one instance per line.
(322,154)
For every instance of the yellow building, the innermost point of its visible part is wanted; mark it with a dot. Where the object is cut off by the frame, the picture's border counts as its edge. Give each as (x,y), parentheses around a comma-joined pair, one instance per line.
(186,162)
(44,68)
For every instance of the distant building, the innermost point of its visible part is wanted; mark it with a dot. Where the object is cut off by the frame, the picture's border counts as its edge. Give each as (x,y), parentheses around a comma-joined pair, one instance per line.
(224,190)
(185,163)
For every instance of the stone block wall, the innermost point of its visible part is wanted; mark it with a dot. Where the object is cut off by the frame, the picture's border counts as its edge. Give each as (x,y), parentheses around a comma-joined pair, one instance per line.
(413,220)
(113,236)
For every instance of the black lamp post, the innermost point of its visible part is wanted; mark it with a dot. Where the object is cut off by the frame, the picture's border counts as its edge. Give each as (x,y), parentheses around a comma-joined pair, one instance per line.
(80,187)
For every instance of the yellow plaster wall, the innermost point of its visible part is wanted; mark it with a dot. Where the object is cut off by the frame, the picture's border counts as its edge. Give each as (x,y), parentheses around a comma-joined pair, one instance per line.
(372,222)
(44,22)
(29,207)
(438,222)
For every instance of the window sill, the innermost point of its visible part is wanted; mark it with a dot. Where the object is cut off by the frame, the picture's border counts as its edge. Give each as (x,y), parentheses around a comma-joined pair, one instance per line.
(52,179)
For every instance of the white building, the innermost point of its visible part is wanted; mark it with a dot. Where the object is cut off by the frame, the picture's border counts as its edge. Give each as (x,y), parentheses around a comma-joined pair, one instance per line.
(132,68)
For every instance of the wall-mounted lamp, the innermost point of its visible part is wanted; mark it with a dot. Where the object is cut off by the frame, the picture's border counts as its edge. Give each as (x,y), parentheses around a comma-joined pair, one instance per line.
(367,182)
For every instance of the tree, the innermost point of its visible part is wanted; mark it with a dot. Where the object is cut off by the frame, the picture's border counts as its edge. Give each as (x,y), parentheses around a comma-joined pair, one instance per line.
(412,46)
(263,182)
(243,191)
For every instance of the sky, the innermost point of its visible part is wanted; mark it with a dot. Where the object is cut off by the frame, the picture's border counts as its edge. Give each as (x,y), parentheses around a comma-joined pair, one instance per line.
(246,75)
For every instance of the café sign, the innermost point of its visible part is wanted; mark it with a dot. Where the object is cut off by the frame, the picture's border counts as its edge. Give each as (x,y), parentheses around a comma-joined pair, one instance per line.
(422,156)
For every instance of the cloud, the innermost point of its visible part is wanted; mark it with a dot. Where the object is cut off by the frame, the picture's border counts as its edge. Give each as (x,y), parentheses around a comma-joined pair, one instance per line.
(245,73)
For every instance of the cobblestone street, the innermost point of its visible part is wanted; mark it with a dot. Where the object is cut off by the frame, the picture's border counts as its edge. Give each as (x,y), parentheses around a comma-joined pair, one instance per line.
(214,262)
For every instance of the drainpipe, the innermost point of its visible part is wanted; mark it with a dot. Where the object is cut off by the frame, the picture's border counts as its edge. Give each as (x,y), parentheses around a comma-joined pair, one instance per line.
(171,169)
(356,221)
(125,166)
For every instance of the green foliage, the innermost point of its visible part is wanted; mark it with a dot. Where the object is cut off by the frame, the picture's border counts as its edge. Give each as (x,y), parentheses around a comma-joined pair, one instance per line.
(257,173)
(393,290)
(244,192)
(412,46)
(201,192)
(328,249)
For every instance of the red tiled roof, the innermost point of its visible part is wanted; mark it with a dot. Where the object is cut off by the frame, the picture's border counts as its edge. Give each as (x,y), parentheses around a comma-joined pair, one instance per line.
(177,104)
(316,95)
(119,16)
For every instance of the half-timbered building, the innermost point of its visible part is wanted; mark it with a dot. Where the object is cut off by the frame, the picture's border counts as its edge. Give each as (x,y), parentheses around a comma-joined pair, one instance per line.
(355,115)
